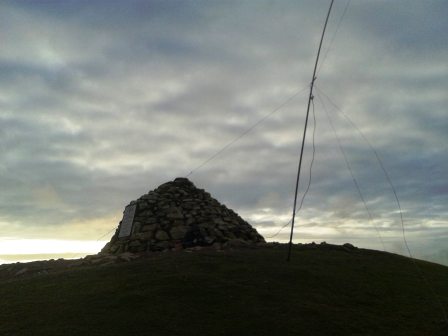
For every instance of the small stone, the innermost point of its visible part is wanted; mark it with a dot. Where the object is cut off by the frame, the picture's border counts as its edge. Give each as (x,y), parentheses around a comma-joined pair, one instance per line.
(237,243)
(175,213)
(150,220)
(127,256)
(22,271)
(151,227)
(76,263)
(219,222)
(96,261)
(135,243)
(348,247)
(178,232)
(178,222)
(162,235)
(144,235)
(217,246)
(162,245)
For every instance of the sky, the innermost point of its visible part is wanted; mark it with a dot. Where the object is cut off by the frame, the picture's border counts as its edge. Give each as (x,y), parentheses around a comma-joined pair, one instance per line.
(102,101)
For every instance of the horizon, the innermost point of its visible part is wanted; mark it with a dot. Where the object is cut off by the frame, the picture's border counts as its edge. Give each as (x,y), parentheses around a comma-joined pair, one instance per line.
(104,101)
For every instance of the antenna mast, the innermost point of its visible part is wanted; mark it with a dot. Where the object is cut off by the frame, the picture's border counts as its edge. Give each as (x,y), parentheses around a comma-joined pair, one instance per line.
(311,97)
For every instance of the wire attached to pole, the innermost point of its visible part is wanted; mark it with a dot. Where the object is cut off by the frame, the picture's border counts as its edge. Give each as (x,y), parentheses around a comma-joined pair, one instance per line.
(310,97)
(309,180)
(349,168)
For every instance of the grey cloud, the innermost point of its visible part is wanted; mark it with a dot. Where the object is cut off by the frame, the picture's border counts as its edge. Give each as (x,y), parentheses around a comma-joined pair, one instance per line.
(101,102)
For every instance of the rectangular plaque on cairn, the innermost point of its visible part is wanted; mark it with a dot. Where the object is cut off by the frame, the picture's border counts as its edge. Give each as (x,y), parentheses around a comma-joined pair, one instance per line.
(127,221)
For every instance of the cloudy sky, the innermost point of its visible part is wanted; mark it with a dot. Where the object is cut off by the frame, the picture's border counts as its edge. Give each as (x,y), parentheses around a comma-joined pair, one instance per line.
(102,101)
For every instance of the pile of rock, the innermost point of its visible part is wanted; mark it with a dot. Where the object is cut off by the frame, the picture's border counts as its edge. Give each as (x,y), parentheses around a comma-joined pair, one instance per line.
(178,215)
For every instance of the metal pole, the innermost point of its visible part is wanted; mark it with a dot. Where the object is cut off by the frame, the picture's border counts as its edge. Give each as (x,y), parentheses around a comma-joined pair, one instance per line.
(304,132)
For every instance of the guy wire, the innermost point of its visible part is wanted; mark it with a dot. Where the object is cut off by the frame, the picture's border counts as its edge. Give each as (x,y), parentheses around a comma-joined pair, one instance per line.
(413,261)
(248,130)
(347,163)
(309,180)
(334,36)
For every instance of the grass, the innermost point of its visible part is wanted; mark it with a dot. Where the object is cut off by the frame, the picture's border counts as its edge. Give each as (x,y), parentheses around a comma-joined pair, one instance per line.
(321,291)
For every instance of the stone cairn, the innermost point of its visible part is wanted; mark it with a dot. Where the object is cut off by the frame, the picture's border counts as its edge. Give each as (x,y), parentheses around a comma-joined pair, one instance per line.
(178,215)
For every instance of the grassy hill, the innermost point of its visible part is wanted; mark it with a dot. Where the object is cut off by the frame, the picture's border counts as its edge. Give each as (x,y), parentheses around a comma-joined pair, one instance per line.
(323,290)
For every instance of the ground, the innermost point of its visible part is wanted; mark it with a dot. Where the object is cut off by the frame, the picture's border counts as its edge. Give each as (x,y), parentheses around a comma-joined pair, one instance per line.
(323,290)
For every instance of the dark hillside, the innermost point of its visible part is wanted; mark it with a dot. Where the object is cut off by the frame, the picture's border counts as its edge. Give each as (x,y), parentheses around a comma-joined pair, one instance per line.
(324,290)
